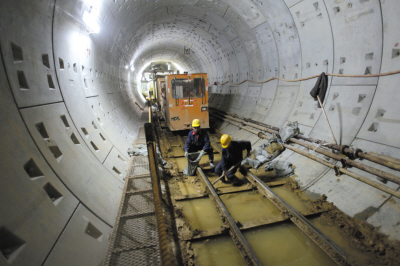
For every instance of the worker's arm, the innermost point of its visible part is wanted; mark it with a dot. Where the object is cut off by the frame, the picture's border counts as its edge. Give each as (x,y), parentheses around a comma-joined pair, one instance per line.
(245,145)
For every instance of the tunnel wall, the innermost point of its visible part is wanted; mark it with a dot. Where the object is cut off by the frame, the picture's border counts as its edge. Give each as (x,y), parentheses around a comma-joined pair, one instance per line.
(67,119)
(69,114)
(353,38)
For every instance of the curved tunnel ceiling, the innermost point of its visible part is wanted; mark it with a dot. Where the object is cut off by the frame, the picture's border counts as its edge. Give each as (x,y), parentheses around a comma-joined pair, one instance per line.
(70,108)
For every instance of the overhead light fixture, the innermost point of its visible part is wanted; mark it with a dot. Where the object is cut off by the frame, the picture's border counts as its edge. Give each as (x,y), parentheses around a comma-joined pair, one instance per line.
(90,17)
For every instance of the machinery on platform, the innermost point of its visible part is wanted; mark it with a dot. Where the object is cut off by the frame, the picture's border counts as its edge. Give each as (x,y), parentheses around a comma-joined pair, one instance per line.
(182,98)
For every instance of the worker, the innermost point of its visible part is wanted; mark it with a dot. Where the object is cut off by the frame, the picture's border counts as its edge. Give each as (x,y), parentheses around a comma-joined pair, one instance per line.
(232,155)
(199,140)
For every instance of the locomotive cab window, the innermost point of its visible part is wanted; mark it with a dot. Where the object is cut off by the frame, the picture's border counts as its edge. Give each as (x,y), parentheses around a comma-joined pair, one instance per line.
(188,88)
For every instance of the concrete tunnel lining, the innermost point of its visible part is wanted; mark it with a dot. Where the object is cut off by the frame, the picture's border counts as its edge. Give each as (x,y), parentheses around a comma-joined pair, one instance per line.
(52,71)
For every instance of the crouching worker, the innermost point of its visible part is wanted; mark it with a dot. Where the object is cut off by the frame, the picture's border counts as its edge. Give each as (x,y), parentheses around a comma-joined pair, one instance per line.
(231,158)
(199,140)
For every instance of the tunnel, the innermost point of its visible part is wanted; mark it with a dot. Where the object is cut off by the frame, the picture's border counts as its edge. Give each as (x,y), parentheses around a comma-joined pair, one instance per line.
(71,102)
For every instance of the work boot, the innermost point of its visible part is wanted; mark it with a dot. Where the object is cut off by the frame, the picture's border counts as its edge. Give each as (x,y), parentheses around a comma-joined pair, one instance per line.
(226,181)
(211,165)
(237,182)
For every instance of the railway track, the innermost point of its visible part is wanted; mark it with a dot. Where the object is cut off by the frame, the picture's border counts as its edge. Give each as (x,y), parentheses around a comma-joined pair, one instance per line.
(188,190)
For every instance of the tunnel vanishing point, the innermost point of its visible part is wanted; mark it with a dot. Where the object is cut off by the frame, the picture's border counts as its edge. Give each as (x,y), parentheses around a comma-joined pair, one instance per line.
(71,103)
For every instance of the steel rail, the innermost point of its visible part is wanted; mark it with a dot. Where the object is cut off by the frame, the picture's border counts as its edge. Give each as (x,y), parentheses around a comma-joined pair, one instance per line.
(243,246)
(274,220)
(336,168)
(330,248)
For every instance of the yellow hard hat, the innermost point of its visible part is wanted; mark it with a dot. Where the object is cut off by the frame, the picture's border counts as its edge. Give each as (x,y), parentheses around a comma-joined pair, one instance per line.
(196,123)
(225,140)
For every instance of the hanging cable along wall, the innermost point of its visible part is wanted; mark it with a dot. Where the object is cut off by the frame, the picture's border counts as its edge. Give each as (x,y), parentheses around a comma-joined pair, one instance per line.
(316,76)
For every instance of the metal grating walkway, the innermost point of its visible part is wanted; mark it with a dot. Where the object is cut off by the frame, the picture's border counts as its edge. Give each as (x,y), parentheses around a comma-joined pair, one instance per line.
(134,240)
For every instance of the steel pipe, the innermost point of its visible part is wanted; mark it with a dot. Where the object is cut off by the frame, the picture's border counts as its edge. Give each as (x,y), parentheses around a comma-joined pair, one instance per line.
(361,166)
(155,181)
(347,172)
(387,161)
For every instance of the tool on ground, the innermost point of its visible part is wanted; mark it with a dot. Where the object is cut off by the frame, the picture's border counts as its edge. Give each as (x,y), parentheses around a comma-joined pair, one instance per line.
(230,169)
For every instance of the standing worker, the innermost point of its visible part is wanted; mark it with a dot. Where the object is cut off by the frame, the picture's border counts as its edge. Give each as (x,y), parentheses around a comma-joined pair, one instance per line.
(232,155)
(198,140)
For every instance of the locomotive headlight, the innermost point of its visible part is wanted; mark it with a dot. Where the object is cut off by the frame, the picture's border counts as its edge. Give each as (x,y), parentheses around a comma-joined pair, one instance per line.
(204,108)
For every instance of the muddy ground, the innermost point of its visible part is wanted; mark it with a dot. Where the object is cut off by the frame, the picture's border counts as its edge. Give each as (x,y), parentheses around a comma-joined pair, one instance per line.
(363,236)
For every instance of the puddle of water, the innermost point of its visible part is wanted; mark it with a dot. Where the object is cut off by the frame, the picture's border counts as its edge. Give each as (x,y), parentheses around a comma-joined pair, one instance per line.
(285,244)
(217,251)
(292,199)
(247,206)
(173,141)
(190,187)
(336,235)
(176,152)
(200,214)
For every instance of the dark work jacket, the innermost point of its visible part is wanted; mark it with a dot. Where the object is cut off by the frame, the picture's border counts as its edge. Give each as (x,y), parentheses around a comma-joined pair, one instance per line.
(320,88)
(201,141)
(234,153)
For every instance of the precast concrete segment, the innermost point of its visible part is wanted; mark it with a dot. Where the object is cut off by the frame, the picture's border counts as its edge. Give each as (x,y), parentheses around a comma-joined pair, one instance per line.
(90,87)
(83,242)
(244,247)
(30,71)
(72,160)
(320,239)
(35,205)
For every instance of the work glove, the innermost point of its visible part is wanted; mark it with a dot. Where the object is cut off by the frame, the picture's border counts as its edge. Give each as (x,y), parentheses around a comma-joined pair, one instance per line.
(200,155)
(186,154)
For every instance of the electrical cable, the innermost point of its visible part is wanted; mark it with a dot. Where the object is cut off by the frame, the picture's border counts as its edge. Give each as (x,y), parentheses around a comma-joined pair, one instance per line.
(316,76)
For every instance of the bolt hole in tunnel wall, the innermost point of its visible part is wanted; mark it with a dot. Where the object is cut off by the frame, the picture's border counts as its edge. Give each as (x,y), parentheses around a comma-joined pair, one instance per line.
(70,108)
